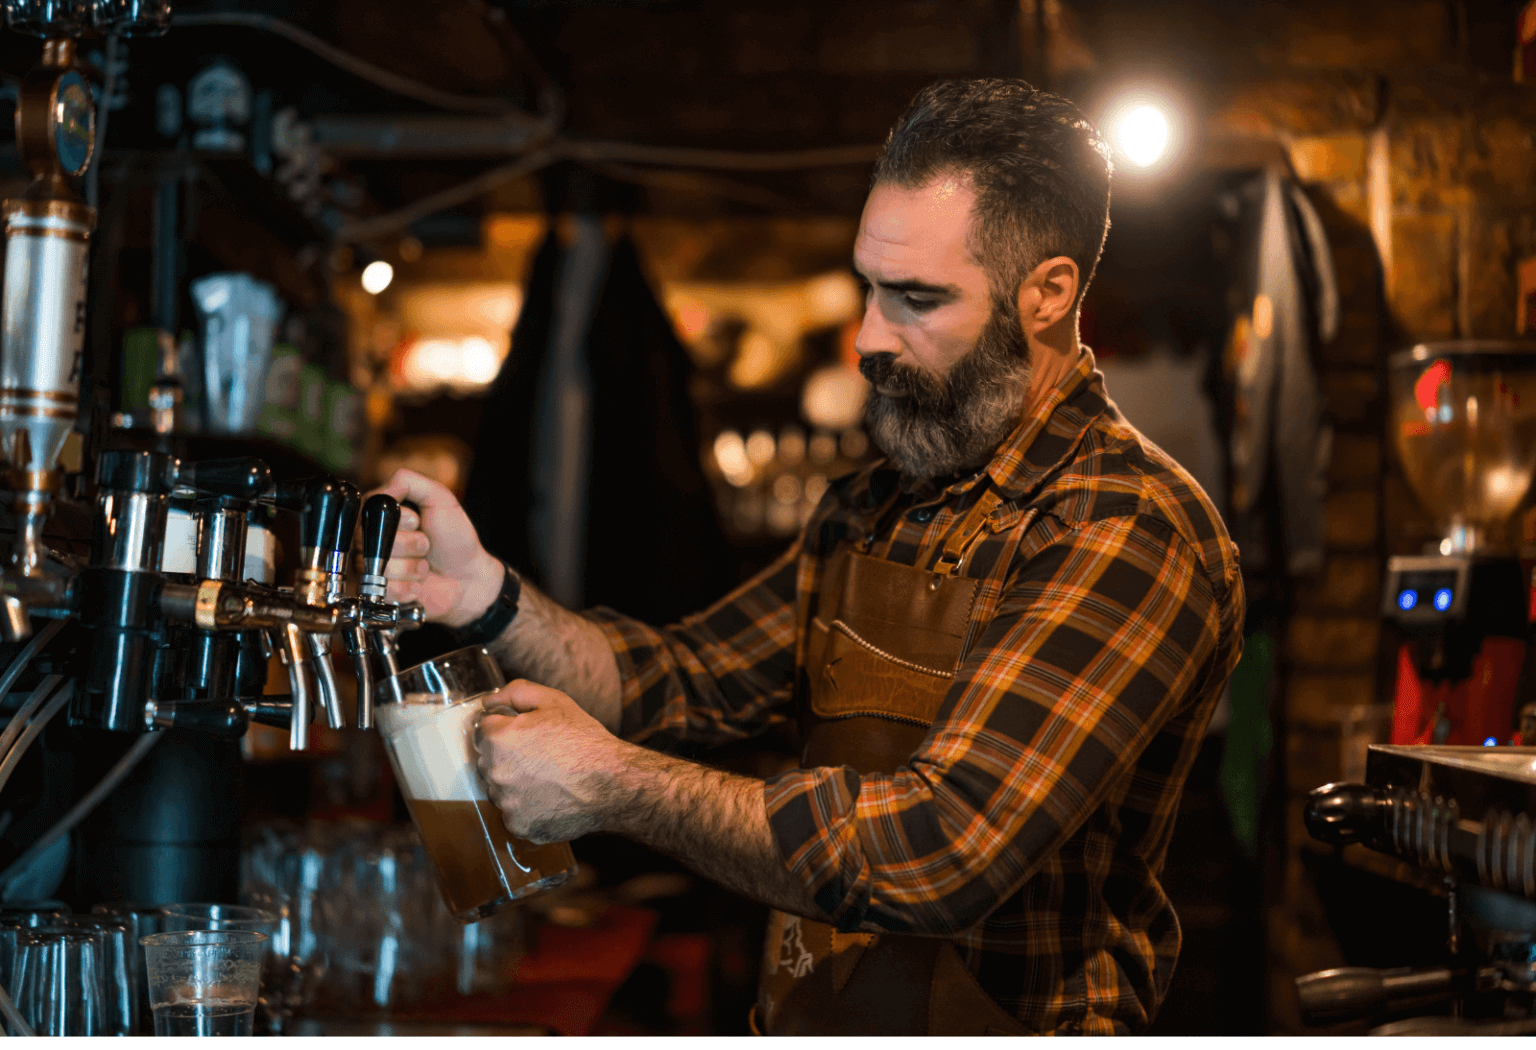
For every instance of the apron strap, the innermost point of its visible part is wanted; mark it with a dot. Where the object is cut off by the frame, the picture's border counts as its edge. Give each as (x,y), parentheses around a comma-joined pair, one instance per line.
(965,535)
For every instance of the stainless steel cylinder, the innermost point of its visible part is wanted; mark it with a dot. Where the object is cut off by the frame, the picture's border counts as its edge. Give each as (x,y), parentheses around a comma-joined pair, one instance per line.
(135,524)
(221,543)
(42,328)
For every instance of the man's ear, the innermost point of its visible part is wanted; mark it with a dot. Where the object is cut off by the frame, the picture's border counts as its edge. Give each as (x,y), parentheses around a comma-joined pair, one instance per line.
(1048,294)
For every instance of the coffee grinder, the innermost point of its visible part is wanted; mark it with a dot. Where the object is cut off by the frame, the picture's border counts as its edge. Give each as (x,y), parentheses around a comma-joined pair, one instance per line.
(1463,422)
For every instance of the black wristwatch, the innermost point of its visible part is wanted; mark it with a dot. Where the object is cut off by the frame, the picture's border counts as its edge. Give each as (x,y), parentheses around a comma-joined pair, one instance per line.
(494,620)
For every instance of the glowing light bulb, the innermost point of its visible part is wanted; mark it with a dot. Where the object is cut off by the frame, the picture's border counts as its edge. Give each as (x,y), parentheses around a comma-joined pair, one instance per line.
(1142,134)
(376,277)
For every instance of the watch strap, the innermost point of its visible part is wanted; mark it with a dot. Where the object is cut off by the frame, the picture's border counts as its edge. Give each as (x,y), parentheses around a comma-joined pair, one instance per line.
(495,619)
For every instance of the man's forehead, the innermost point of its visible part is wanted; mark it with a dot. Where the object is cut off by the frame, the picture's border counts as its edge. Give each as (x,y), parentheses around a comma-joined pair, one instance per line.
(900,223)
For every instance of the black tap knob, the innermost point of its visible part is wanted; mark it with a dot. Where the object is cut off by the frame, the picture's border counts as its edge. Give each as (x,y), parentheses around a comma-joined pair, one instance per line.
(351,505)
(221,718)
(1344,813)
(381,520)
(320,520)
(243,477)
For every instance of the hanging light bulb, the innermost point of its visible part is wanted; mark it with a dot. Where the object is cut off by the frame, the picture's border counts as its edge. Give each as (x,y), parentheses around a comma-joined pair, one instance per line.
(376,277)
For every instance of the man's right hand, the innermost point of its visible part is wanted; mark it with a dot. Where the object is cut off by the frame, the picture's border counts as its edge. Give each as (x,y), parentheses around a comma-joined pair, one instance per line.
(437,559)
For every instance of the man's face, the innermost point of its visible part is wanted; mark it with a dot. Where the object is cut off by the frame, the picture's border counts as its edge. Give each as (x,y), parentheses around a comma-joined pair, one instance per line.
(949,366)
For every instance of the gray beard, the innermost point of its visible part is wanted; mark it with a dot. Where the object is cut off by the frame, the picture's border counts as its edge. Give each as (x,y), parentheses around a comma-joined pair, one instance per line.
(943,425)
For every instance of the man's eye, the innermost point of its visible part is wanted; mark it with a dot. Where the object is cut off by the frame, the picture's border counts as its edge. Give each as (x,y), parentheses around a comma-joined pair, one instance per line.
(918,304)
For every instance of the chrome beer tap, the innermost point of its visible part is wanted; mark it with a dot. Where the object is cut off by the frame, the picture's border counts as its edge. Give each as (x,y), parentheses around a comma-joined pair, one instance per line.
(370,620)
(334,547)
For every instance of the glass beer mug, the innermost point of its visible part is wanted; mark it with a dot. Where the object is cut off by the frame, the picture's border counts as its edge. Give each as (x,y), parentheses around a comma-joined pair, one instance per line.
(427,715)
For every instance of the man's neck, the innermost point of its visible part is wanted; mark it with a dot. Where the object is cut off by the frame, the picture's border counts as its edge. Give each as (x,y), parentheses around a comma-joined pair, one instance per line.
(1053,354)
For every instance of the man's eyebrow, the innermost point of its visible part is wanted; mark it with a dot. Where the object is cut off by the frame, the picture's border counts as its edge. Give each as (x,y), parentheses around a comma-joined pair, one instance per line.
(911,284)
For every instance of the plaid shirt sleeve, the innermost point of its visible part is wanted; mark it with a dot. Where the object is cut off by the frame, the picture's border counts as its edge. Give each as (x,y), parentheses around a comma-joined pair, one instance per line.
(1104,634)
(718,675)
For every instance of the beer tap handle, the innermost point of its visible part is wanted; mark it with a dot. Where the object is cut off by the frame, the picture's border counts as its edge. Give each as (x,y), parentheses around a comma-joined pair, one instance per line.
(319,518)
(243,477)
(356,638)
(293,653)
(381,520)
(325,678)
(220,718)
(351,507)
(274,710)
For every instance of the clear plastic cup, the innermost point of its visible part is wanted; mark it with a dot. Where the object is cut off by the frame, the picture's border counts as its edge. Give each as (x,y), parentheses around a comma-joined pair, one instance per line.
(217,917)
(237,917)
(428,716)
(204,982)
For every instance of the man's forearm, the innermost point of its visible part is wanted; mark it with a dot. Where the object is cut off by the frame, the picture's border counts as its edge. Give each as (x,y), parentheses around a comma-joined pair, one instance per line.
(714,822)
(551,645)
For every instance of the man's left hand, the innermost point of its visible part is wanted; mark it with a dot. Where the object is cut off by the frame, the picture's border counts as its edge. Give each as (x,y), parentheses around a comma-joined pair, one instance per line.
(549,767)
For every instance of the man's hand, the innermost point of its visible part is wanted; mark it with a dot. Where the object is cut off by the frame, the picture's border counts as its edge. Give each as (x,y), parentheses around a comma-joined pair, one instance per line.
(549,768)
(557,774)
(437,559)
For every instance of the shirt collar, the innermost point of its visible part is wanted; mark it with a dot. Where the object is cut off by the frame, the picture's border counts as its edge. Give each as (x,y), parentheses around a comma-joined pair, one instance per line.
(1050,434)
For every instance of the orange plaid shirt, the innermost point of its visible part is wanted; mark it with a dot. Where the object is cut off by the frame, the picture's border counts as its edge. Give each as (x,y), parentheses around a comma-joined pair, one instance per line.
(1031,826)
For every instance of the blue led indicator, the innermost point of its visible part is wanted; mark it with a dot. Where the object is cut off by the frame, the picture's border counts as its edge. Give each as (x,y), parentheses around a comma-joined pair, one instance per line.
(1443,599)
(1407,600)
(1491,742)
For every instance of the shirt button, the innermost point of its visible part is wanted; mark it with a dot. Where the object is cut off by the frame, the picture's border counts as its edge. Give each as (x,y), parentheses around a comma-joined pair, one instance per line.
(922,515)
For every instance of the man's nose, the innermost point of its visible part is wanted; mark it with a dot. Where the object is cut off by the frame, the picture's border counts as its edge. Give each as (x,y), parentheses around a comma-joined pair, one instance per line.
(876,335)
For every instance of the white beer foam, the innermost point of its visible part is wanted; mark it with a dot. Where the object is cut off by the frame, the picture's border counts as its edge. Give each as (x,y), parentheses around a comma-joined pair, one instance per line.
(433,747)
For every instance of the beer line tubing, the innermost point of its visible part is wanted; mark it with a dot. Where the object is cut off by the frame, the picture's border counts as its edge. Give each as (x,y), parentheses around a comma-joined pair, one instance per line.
(19,723)
(82,809)
(33,730)
(24,657)
(12,757)
(13,1015)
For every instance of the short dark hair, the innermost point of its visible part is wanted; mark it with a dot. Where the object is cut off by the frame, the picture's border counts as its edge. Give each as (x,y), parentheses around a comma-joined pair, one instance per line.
(1039,168)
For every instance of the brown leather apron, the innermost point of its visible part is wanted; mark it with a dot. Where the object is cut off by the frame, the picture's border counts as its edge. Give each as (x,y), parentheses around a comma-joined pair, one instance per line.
(879,654)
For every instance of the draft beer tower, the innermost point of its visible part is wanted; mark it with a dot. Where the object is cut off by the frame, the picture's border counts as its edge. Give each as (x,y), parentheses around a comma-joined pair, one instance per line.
(1463,422)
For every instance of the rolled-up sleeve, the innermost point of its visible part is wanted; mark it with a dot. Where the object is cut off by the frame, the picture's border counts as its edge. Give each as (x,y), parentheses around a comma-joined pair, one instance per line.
(717,676)
(1103,635)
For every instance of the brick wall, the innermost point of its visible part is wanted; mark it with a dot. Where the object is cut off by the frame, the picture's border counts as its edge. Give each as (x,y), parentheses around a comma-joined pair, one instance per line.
(1402,121)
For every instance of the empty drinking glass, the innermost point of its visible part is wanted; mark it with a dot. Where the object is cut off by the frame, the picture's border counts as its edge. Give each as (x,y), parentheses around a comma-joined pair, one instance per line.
(58,986)
(141,920)
(36,913)
(204,982)
(10,928)
(117,958)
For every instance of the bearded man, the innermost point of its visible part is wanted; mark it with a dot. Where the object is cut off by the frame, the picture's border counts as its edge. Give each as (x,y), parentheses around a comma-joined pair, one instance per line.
(1002,642)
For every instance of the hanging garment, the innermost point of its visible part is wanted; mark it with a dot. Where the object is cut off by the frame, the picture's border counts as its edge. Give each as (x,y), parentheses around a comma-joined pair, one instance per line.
(1280,443)
(590,438)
